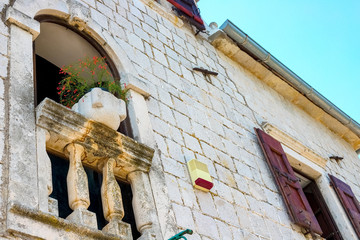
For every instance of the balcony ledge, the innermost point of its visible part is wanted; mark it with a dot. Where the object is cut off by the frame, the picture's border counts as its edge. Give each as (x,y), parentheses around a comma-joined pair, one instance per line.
(100,142)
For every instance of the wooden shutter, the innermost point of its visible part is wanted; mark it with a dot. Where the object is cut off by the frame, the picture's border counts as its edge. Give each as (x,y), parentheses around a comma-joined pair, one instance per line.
(349,202)
(294,197)
(189,8)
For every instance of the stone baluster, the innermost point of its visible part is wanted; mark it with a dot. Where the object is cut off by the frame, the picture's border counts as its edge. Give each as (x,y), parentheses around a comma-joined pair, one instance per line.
(46,203)
(112,202)
(143,205)
(78,189)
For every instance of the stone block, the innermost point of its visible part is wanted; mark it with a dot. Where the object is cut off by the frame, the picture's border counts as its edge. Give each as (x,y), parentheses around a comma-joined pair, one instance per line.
(160,57)
(99,18)
(225,231)
(105,10)
(83,217)
(224,190)
(188,195)
(192,143)
(173,167)
(175,151)
(119,228)
(206,203)
(90,3)
(173,188)
(3,68)
(53,206)
(136,41)
(206,225)
(226,211)
(183,216)
(136,12)
(4,44)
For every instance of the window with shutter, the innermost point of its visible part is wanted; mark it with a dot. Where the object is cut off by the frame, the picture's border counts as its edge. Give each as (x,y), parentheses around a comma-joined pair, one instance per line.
(349,202)
(289,186)
(190,9)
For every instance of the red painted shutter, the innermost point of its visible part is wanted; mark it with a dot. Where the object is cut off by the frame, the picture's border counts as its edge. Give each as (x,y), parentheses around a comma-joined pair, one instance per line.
(189,8)
(348,200)
(294,197)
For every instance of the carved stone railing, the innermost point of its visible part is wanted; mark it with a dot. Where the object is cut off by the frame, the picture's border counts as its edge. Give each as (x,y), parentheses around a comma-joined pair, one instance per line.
(88,143)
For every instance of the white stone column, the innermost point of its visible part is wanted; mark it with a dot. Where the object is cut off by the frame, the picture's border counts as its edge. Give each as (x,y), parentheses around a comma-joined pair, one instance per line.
(112,202)
(22,168)
(143,205)
(78,188)
(44,169)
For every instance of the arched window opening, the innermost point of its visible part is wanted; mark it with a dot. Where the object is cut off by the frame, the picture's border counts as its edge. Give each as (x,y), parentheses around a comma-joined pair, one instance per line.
(57,45)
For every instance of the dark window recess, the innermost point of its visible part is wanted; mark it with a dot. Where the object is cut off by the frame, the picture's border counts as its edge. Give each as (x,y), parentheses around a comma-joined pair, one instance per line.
(189,8)
(47,79)
(349,202)
(321,211)
(59,172)
(288,184)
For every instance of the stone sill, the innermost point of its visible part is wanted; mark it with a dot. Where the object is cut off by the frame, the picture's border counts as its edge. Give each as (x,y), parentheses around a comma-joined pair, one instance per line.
(100,142)
(34,224)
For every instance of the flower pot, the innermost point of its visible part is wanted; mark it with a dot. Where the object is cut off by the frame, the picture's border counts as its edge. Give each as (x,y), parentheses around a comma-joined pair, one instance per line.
(103,107)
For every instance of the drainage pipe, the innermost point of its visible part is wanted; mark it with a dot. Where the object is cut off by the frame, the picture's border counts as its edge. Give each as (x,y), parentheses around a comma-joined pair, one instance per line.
(265,58)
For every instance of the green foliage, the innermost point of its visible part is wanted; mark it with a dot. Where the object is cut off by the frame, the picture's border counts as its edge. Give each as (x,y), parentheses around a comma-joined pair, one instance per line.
(80,77)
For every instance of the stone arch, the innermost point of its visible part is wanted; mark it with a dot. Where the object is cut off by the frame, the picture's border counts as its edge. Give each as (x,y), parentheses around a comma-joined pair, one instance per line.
(101,43)
(79,20)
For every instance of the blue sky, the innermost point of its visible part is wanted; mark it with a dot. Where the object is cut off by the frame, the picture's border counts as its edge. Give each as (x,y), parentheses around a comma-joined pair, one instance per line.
(318,40)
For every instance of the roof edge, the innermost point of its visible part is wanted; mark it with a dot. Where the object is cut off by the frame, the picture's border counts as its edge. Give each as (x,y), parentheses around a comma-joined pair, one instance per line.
(257,52)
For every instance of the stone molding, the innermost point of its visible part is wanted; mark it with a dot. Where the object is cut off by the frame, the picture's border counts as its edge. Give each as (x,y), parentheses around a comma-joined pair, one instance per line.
(99,141)
(23,21)
(294,144)
(165,13)
(134,83)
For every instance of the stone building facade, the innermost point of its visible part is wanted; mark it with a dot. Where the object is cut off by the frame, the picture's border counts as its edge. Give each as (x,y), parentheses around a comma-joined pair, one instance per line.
(175,114)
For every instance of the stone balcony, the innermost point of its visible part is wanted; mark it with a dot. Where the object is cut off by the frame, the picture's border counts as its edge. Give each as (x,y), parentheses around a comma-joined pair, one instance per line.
(99,141)
(84,142)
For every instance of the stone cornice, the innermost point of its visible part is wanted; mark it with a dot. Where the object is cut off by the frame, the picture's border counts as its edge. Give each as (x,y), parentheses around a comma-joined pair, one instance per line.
(230,48)
(100,142)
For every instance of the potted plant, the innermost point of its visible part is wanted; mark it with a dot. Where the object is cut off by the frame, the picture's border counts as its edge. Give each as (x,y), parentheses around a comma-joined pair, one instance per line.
(89,88)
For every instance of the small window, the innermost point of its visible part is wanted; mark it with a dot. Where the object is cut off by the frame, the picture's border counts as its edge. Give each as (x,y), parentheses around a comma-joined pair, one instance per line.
(302,197)
(319,207)
(190,9)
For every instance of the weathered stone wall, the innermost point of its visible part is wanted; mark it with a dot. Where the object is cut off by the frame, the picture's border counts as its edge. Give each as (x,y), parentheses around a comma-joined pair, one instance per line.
(211,119)
(4,64)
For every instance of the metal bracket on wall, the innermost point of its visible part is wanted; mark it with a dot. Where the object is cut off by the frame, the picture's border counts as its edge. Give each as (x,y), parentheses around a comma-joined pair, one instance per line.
(205,71)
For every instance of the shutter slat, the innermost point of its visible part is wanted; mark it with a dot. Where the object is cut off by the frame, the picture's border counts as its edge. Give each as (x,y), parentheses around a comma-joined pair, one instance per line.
(289,186)
(348,200)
